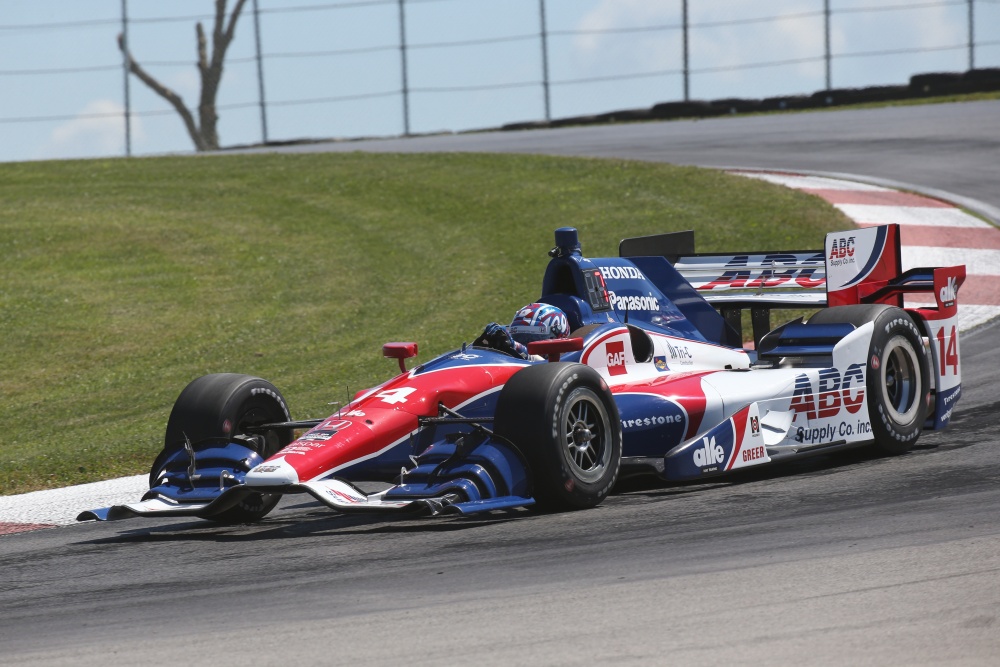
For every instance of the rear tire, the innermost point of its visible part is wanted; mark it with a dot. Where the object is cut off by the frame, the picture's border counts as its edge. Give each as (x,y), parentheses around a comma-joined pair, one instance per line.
(563,419)
(219,407)
(898,373)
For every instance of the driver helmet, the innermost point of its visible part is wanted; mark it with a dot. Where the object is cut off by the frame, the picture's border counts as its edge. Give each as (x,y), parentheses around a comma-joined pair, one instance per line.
(538,321)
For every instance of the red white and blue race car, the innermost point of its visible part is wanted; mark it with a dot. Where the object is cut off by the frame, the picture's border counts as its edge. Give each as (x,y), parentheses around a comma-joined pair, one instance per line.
(653,378)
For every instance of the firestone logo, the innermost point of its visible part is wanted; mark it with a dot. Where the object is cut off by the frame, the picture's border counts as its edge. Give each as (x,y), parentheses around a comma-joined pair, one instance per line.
(709,454)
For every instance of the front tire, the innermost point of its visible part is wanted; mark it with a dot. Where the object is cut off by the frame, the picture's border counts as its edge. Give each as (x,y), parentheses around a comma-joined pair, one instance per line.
(564,420)
(218,407)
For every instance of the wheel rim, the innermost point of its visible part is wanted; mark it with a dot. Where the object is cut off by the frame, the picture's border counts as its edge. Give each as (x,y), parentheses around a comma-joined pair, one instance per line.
(585,435)
(901,380)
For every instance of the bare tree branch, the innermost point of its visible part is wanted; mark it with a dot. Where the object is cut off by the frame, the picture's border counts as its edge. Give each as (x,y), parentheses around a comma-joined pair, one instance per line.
(166,93)
(204,133)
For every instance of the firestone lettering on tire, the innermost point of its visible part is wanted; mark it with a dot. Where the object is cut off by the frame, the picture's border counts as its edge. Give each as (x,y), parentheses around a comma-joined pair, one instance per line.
(264,390)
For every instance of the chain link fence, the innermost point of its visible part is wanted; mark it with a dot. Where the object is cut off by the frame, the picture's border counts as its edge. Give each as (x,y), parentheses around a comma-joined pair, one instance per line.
(380,67)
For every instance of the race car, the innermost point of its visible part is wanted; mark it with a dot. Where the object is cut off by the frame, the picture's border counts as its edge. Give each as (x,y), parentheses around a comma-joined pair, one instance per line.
(655,377)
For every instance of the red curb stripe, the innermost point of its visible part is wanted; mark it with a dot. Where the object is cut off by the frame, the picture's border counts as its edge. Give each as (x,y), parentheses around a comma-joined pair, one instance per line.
(11,528)
(977,238)
(878,198)
(976,291)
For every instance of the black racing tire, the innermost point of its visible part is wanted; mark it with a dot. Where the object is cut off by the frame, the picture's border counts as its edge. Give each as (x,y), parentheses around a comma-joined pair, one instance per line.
(898,373)
(564,420)
(221,406)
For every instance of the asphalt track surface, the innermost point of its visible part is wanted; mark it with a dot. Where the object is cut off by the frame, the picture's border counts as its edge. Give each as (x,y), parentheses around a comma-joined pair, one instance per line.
(849,559)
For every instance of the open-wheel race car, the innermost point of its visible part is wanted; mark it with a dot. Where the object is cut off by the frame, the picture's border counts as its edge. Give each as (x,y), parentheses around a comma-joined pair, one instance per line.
(654,377)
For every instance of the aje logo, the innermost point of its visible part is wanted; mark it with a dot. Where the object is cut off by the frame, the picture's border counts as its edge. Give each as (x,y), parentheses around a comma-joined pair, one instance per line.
(616,358)
(950,291)
(709,454)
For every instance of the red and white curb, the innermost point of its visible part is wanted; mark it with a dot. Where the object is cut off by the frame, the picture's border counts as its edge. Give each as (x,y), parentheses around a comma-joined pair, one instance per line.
(933,233)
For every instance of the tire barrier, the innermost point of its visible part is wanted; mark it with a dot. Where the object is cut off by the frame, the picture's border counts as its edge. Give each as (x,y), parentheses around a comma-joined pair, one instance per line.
(932,84)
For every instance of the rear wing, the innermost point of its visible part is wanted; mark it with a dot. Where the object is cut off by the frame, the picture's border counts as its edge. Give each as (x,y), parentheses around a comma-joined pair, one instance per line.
(855,266)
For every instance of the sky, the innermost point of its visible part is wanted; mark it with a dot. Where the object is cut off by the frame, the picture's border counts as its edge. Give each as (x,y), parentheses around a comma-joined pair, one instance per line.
(333,68)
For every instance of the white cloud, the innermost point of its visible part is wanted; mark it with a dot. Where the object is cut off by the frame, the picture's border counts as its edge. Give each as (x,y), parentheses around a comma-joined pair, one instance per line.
(98,130)
(731,33)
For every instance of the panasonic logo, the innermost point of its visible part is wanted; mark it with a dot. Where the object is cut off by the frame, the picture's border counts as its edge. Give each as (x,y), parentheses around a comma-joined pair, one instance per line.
(634,302)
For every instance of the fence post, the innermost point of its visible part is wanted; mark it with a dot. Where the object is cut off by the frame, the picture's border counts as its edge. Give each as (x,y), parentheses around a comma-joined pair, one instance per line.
(260,72)
(972,35)
(545,60)
(687,68)
(826,31)
(406,85)
(125,66)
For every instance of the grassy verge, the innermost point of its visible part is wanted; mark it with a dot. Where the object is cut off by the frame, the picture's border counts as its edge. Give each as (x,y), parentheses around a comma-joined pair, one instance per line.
(122,280)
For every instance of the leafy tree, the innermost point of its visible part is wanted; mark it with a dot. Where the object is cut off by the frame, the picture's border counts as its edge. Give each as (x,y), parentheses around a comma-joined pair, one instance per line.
(204,132)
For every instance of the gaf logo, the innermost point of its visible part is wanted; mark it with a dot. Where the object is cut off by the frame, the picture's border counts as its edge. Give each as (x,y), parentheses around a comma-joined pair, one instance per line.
(709,454)
(842,248)
(616,358)
(950,291)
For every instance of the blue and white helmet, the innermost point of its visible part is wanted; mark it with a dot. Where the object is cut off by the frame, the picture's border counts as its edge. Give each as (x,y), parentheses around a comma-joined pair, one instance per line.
(538,321)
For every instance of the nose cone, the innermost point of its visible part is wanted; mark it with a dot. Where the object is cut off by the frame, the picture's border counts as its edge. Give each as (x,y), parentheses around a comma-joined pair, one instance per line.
(272,473)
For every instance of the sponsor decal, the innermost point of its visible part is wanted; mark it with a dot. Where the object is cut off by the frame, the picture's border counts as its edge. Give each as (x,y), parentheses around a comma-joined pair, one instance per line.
(355,413)
(340,495)
(950,291)
(755,425)
(661,364)
(634,303)
(828,432)
(266,468)
(466,357)
(782,268)
(842,248)
(680,353)
(655,420)
(754,453)
(616,358)
(709,454)
(621,273)
(832,394)
(326,430)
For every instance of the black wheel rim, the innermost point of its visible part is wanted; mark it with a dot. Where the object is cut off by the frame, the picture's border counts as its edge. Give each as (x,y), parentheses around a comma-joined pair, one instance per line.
(585,434)
(901,380)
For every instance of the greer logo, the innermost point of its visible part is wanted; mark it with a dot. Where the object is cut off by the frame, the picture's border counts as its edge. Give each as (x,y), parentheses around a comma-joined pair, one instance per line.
(709,454)
(833,393)
(616,358)
(950,291)
(842,248)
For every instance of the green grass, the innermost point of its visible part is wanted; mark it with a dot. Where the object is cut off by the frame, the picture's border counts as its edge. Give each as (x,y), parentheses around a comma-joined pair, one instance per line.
(122,280)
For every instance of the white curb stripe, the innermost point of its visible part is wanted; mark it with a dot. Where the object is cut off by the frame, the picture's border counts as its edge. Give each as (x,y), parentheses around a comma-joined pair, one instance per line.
(977,262)
(810,182)
(910,215)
